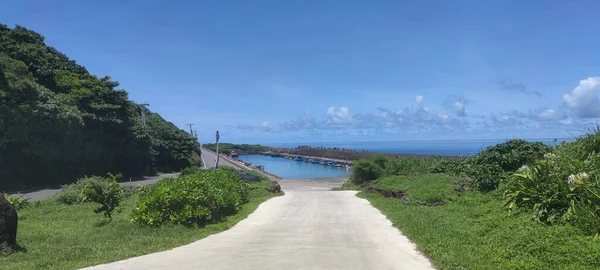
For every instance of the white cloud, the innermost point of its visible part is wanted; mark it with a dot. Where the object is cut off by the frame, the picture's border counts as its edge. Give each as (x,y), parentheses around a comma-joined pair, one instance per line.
(264,124)
(419,99)
(547,114)
(567,121)
(443,117)
(583,100)
(339,116)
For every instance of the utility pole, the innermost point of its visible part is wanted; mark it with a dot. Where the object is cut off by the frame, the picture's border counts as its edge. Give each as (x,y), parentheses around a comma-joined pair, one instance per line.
(142,107)
(142,110)
(217,137)
(191,131)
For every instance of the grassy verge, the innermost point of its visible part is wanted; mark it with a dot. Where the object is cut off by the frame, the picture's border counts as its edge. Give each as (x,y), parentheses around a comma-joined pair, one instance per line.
(473,231)
(58,236)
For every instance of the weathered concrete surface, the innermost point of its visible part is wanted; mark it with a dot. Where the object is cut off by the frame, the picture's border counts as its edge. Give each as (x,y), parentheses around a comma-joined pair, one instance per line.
(310,227)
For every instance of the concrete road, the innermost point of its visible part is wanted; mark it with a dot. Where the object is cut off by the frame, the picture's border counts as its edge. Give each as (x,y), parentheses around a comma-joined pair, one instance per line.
(310,227)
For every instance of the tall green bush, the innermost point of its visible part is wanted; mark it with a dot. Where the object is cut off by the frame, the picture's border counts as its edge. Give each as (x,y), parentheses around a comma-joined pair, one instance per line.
(191,200)
(365,170)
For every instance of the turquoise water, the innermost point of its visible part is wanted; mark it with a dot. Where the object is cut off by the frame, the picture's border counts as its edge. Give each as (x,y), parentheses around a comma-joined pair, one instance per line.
(291,169)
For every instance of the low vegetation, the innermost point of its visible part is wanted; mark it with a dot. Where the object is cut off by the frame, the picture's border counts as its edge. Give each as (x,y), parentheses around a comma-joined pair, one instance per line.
(191,200)
(515,205)
(228,148)
(472,230)
(17,201)
(56,235)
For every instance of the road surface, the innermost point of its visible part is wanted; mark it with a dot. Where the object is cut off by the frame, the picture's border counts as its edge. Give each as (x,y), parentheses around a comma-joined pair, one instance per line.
(207,156)
(47,193)
(310,227)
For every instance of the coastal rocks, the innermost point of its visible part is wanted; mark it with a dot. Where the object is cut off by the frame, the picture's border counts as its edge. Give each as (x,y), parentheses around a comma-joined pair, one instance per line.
(8,223)
(274,188)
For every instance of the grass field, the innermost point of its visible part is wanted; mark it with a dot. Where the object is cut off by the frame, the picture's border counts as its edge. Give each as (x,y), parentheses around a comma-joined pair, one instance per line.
(473,231)
(57,236)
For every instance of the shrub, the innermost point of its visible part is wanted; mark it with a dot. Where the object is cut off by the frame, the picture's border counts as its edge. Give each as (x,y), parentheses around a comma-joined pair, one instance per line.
(562,187)
(453,166)
(365,170)
(491,166)
(17,201)
(408,165)
(512,154)
(74,193)
(106,192)
(381,160)
(486,177)
(191,200)
(189,170)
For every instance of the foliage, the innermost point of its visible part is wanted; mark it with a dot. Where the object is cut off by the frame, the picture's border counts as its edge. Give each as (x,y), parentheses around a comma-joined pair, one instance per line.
(381,160)
(189,170)
(58,122)
(74,193)
(408,165)
(564,186)
(106,192)
(473,231)
(365,170)
(17,201)
(192,200)
(228,148)
(58,236)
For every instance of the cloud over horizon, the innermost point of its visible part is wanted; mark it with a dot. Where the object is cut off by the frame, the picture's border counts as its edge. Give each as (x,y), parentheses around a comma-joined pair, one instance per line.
(580,105)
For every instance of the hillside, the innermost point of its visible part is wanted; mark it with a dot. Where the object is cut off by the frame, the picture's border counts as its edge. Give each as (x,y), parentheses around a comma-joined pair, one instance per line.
(58,122)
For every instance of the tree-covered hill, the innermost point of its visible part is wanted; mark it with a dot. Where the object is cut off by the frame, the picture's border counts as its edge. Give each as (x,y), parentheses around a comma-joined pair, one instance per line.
(58,122)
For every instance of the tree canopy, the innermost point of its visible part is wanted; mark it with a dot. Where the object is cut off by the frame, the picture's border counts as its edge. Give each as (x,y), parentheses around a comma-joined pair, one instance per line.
(58,122)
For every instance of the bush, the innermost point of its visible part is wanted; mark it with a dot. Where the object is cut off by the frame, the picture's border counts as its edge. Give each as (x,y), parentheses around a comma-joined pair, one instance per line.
(365,170)
(381,160)
(106,192)
(74,193)
(408,165)
(189,170)
(486,177)
(562,187)
(191,200)
(17,201)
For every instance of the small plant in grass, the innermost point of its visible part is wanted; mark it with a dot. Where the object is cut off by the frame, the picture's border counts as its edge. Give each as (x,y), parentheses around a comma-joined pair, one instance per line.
(106,192)
(17,201)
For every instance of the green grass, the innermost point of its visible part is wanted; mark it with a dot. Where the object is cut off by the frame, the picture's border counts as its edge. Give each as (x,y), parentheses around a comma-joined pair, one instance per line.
(473,231)
(58,236)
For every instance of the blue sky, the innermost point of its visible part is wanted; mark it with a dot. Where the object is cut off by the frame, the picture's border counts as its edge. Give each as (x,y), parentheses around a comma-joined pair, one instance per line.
(309,71)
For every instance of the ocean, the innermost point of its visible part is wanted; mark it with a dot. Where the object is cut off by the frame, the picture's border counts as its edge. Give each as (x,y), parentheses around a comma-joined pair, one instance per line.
(441,147)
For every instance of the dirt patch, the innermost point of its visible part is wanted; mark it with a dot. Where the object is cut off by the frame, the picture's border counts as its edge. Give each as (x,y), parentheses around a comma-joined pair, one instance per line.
(400,194)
